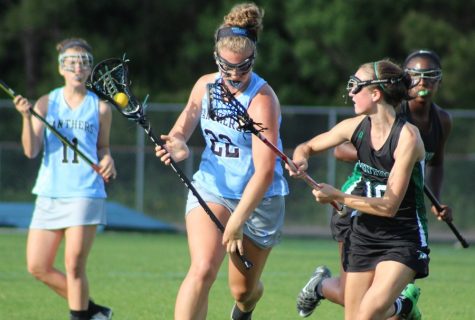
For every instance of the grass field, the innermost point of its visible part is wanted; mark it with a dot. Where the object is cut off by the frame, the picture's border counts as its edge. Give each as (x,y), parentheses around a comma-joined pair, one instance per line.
(138,275)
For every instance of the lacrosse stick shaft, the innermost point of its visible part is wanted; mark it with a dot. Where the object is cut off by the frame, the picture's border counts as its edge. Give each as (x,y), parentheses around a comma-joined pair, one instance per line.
(62,138)
(148,130)
(312,183)
(439,208)
(66,141)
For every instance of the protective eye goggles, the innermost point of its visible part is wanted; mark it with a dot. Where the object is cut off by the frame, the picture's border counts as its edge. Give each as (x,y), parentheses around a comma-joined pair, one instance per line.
(430,75)
(240,69)
(355,85)
(68,62)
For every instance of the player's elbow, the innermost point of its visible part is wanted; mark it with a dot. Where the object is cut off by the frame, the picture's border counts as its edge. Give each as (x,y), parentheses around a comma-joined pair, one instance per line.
(30,154)
(268,177)
(345,153)
(338,154)
(389,209)
(265,176)
(391,212)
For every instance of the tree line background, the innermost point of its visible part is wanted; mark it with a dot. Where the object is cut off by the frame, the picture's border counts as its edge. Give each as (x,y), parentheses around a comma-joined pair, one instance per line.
(307,51)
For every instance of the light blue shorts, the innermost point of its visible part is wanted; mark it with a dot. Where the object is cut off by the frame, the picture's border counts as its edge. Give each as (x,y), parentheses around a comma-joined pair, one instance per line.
(60,213)
(264,226)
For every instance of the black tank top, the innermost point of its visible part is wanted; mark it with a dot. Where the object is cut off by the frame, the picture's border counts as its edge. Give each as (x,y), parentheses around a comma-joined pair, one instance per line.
(409,225)
(431,138)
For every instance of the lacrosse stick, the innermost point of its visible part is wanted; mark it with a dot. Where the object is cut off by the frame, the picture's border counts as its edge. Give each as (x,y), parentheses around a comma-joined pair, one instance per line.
(62,138)
(223,105)
(439,208)
(109,80)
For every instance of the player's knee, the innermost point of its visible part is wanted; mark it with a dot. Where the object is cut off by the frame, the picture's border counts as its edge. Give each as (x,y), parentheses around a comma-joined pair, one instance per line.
(38,271)
(204,272)
(242,293)
(75,268)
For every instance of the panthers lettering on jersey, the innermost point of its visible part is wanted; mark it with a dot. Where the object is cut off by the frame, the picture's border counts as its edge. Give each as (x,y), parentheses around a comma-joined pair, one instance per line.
(62,172)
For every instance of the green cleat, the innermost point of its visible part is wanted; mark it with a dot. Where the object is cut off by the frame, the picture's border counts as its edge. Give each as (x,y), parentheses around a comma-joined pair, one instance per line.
(412,293)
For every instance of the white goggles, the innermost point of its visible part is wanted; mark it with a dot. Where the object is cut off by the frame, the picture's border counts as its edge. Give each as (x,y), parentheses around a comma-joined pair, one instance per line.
(69,62)
(429,75)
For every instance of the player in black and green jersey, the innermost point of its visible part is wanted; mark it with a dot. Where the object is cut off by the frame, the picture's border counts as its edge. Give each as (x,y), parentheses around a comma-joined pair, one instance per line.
(434,124)
(388,233)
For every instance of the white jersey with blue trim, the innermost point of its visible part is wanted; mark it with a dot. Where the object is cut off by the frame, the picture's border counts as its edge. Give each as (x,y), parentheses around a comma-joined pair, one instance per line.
(226,163)
(63,173)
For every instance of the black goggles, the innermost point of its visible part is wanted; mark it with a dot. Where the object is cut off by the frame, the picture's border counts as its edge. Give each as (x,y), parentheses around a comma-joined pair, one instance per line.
(429,75)
(355,85)
(240,69)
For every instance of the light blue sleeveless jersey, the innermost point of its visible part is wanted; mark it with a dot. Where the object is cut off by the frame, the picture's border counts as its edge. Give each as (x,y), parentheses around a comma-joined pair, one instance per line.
(63,173)
(226,163)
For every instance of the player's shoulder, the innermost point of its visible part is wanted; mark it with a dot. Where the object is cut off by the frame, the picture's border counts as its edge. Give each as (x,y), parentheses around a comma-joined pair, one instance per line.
(410,139)
(356,120)
(410,133)
(41,104)
(201,84)
(44,98)
(105,106)
(207,78)
(445,119)
(443,114)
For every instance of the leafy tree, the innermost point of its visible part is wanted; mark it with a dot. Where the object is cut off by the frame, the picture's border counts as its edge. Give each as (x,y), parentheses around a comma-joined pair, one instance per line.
(307,50)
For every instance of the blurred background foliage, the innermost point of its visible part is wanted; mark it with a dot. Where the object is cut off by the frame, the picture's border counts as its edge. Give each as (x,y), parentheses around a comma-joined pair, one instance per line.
(306,51)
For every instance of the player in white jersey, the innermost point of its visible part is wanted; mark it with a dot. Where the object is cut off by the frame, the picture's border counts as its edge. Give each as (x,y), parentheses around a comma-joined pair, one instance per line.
(239,176)
(70,194)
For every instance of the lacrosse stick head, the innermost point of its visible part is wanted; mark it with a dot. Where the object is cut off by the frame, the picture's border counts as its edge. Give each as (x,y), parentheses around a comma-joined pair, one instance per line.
(109,80)
(223,105)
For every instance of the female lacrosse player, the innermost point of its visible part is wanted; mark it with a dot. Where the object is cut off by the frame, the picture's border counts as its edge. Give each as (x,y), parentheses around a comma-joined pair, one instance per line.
(239,176)
(387,246)
(434,125)
(71,196)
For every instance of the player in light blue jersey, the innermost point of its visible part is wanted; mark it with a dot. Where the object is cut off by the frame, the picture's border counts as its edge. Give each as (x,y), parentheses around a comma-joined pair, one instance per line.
(70,194)
(239,177)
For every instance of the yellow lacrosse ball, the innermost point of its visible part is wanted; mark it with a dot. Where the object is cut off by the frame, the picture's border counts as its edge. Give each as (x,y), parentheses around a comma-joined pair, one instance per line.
(121,99)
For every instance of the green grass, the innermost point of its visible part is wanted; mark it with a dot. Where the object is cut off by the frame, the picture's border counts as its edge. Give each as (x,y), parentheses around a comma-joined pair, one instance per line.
(139,275)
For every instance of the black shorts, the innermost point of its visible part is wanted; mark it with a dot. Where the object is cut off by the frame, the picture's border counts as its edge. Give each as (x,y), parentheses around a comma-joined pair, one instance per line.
(340,226)
(359,258)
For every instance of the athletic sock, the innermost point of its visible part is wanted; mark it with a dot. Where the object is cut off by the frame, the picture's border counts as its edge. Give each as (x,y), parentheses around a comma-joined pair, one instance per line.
(93,308)
(406,306)
(397,306)
(79,315)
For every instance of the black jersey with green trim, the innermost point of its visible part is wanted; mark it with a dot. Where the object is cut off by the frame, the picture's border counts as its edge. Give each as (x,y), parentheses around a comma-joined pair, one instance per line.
(409,225)
(433,136)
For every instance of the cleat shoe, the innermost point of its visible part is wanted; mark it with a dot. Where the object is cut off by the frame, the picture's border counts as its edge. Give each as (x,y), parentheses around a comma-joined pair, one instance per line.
(308,299)
(412,292)
(103,313)
(237,314)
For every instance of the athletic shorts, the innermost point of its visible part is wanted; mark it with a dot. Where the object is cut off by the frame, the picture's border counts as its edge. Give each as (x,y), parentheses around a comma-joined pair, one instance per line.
(264,226)
(340,226)
(360,258)
(60,213)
